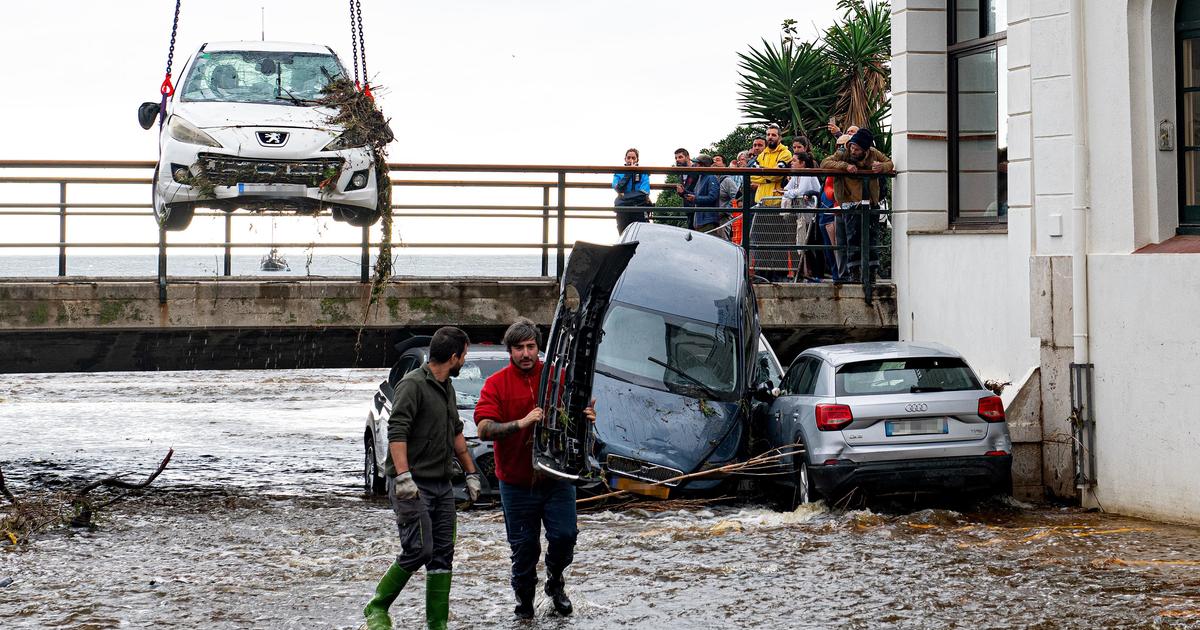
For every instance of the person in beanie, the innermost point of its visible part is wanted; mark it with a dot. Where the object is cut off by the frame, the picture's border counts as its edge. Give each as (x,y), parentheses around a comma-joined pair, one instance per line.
(424,432)
(506,413)
(862,163)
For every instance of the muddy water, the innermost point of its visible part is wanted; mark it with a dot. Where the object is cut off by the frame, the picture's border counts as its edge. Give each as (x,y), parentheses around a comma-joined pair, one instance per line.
(259,523)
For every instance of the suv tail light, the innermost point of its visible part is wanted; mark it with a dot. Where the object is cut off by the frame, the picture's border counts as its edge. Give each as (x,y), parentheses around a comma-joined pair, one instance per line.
(991,408)
(833,417)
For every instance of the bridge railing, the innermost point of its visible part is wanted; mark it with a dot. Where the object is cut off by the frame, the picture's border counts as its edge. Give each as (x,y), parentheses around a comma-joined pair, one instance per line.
(548,183)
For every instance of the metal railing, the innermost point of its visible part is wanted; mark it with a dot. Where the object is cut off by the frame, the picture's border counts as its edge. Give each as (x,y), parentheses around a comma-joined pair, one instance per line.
(553,213)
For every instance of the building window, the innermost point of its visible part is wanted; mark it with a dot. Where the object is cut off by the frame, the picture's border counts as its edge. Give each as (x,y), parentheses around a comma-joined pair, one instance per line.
(978,111)
(1187,30)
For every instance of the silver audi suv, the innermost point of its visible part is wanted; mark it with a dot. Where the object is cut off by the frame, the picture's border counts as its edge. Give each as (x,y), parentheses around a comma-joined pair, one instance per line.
(888,418)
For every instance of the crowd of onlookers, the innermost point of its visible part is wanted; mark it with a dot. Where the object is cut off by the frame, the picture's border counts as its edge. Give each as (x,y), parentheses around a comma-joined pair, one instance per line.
(825,211)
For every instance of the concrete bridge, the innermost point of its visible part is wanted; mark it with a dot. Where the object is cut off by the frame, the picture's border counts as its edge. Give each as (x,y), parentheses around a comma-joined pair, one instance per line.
(70,324)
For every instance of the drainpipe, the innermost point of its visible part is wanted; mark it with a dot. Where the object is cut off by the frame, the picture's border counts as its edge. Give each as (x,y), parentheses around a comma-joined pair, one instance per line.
(1083,418)
(1080,200)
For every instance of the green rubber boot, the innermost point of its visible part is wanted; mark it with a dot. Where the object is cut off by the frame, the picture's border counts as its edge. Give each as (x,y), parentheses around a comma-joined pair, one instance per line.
(386,592)
(437,599)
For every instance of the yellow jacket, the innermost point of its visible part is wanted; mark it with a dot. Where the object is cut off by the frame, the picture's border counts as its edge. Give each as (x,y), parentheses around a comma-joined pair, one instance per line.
(770,185)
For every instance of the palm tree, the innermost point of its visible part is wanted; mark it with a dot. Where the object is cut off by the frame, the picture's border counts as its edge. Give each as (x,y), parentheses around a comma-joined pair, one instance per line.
(845,75)
(791,85)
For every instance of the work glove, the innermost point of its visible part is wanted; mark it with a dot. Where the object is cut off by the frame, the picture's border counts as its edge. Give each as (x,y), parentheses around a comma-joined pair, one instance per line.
(405,489)
(474,486)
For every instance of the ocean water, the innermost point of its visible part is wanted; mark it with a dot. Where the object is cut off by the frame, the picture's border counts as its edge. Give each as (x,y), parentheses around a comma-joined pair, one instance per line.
(299,262)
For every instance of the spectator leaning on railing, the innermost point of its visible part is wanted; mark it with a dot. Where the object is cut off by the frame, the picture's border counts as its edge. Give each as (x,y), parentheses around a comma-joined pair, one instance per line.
(633,191)
(863,163)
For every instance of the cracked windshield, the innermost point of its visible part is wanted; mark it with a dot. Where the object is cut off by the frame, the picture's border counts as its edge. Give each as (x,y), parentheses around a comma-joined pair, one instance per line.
(259,77)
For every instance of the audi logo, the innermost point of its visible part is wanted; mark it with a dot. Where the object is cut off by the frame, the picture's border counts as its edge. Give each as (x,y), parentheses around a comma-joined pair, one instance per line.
(916,407)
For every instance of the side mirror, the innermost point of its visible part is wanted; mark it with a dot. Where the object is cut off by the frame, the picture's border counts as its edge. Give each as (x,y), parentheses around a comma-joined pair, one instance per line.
(147,112)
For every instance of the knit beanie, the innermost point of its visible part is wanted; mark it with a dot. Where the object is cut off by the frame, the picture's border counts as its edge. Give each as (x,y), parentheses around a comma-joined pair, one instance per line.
(863,139)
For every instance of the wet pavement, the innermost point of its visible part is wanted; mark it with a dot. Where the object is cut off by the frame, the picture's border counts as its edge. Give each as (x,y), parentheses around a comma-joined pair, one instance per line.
(260,522)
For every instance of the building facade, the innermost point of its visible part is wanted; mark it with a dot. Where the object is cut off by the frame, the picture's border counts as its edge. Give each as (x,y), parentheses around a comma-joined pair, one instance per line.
(1047,224)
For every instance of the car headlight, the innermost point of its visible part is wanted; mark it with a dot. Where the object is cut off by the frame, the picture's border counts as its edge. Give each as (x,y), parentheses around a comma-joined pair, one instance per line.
(341,143)
(185,131)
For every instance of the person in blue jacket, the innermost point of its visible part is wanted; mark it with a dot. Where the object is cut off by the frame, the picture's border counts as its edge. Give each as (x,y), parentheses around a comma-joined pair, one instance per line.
(633,191)
(704,196)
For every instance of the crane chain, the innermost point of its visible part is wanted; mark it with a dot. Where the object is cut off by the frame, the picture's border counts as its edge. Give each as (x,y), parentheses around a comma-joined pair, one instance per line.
(362,43)
(354,44)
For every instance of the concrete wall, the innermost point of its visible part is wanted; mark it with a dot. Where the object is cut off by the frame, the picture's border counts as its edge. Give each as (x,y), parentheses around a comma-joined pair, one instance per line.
(1146,349)
(218,324)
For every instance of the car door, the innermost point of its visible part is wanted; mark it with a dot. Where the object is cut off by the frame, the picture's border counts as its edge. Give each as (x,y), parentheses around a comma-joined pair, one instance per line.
(794,402)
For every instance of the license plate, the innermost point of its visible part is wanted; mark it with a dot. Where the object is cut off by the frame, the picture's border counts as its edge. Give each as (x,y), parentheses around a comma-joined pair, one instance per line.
(644,489)
(923,426)
(289,190)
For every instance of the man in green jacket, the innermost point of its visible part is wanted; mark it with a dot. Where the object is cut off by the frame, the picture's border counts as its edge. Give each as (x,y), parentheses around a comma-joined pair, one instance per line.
(424,432)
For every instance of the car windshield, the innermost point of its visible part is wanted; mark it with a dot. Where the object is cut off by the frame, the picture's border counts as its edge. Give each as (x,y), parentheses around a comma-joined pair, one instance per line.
(470,379)
(701,358)
(259,77)
(905,376)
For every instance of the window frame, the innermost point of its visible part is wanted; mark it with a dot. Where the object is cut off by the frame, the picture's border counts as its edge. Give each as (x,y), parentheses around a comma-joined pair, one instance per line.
(954,52)
(1184,30)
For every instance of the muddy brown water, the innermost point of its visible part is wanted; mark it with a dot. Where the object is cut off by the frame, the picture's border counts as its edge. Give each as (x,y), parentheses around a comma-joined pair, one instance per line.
(259,522)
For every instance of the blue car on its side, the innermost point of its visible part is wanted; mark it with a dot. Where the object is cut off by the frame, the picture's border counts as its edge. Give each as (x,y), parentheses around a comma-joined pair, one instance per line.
(678,362)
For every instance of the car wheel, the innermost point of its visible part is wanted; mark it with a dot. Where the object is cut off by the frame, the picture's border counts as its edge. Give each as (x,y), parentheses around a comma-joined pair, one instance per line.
(804,491)
(361,218)
(373,482)
(172,217)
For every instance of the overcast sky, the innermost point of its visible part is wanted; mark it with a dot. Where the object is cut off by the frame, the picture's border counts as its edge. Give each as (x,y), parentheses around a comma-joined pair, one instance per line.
(535,81)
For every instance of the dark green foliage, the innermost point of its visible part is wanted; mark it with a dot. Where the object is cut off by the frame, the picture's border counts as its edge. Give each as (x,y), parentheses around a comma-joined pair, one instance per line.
(844,75)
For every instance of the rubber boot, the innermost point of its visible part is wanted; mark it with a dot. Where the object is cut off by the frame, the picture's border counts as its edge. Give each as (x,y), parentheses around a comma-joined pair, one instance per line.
(524,609)
(386,592)
(437,599)
(558,596)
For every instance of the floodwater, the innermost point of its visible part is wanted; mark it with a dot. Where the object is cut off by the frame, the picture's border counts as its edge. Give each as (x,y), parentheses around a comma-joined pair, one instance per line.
(259,522)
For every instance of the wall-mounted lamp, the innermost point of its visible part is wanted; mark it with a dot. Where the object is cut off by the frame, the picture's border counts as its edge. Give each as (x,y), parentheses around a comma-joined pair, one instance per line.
(1166,135)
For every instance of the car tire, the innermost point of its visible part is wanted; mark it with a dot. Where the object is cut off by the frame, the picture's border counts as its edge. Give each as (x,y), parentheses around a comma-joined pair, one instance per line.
(172,217)
(802,491)
(361,218)
(373,482)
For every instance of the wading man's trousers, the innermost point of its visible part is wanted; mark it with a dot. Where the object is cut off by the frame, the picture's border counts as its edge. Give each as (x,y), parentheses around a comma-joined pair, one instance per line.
(552,503)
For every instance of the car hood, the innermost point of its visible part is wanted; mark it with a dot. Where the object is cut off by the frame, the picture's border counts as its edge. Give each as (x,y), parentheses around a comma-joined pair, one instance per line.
(663,428)
(217,115)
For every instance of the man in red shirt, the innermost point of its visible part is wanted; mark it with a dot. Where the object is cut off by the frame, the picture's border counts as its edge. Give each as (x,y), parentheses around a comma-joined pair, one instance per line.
(506,413)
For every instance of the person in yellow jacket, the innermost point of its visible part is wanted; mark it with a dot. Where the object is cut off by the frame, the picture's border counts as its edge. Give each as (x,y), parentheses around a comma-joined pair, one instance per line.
(771,157)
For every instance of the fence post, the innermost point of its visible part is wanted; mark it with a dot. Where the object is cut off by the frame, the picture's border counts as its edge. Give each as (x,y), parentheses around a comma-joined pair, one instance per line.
(747,202)
(62,229)
(162,265)
(365,260)
(545,231)
(562,223)
(864,258)
(228,239)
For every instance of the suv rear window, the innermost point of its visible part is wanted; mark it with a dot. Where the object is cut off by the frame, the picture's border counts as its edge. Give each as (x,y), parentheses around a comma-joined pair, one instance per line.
(905,376)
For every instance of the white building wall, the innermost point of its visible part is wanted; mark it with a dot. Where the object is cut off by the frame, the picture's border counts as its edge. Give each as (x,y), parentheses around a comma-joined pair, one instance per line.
(1003,296)
(1147,383)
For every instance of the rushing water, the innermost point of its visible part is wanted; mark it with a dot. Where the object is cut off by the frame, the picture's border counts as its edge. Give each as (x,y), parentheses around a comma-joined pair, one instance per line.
(259,522)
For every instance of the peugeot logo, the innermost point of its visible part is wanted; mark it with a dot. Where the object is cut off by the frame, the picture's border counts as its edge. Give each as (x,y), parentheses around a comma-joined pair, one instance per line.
(272,138)
(916,407)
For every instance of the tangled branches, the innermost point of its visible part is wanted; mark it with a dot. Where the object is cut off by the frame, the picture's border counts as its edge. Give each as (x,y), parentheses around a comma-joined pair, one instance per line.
(764,464)
(26,517)
(365,126)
